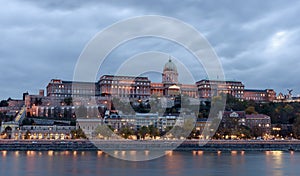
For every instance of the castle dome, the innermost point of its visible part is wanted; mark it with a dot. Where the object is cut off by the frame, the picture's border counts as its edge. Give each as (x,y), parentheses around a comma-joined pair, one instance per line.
(170,66)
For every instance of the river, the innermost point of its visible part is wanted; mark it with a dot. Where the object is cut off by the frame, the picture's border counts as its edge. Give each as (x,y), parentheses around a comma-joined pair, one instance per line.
(52,163)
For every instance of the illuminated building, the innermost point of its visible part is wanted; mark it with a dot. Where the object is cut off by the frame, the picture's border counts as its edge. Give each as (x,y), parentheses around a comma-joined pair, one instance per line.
(124,86)
(267,95)
(209,88)
(59,89)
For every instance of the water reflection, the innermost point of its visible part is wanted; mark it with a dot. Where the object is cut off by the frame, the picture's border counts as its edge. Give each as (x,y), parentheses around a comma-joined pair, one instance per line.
(99,153)
(50,163)
(31,153)
(147,152)
(274,162)
(233,153)
(50,153)
(177,166)
(4,153)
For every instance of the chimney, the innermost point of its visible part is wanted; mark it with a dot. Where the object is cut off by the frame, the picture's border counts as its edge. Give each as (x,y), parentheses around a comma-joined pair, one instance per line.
(41,92)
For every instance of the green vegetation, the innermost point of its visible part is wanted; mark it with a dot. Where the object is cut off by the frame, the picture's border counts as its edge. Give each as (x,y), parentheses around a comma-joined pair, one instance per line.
(27,135)
(103,131)
(5,118)
(68,101)
(78,134)
(3,103)
(280,113)
(125,132)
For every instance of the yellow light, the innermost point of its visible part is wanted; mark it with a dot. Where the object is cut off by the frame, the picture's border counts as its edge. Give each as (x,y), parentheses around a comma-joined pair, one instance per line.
(233,152)
(200,152)
(99,153)
(50,153)
(4,153)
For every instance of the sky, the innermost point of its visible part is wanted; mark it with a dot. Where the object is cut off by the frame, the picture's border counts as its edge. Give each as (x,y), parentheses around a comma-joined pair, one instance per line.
(257,42)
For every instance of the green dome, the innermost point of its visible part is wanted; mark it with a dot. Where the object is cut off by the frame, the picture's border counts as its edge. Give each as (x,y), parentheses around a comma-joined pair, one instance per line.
(170,66)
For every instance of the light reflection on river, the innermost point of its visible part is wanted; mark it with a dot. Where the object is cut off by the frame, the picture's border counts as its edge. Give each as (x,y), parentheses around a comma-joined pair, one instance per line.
(31,163)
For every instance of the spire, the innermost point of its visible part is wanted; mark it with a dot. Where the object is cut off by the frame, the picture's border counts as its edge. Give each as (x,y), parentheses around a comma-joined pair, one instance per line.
(170,60)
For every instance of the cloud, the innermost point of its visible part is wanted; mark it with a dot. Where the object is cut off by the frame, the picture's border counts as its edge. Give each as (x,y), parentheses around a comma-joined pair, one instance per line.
(257,41)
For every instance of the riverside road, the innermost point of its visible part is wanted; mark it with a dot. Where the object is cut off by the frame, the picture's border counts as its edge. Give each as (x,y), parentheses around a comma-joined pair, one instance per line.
(187,145)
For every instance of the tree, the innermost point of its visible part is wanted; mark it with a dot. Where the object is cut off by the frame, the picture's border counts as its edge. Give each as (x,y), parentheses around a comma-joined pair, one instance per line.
(28,121)
(103,131)
(257,131)
(296,127)
(143,131)
(235,104)
(166,130)
(125,132)
(3,103)
(68,101)
(178,132)
(27,135)
(78,134)
(250,110)
(289,113)
(204,109)
(118,104)
(153,131)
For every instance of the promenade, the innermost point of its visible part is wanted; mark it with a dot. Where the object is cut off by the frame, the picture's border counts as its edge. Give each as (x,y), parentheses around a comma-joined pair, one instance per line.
(188,145)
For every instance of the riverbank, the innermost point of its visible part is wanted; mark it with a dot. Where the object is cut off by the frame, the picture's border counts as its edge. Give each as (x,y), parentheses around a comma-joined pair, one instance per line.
(189,145)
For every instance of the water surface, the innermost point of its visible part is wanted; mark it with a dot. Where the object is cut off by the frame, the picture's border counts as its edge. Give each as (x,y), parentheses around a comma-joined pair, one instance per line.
(32,163)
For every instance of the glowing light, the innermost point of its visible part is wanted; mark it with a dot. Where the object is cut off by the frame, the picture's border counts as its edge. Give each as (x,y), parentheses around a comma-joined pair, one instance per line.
(233,152)
(30,153)
(170,152)
(200,152)
(99,153)
(50,153)
(4,153)
(133,152)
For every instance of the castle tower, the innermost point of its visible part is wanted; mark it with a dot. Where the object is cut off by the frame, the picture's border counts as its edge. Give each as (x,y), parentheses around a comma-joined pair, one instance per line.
(170,74)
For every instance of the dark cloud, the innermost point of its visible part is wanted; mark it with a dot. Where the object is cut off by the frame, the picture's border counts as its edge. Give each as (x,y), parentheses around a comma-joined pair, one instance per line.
(257,41)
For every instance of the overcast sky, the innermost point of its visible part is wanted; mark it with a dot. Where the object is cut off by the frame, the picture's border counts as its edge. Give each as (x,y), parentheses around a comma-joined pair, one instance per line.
(258,42)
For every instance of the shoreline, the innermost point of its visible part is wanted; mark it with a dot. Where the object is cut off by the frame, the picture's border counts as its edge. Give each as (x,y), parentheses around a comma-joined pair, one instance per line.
(177,145)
